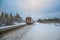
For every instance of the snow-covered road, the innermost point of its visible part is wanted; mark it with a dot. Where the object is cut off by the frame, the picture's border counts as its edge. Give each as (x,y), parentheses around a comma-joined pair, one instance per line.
(37,31)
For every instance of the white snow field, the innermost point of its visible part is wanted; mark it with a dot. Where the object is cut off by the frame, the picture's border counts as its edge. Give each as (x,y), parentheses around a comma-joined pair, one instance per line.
(37,31)
(40,31)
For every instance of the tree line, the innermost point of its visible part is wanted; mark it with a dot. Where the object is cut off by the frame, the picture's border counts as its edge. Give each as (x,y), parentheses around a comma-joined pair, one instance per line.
(51,20)
(9,19)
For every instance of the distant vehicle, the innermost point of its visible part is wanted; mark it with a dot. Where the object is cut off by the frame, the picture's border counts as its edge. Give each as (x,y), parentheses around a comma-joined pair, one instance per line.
(29,20)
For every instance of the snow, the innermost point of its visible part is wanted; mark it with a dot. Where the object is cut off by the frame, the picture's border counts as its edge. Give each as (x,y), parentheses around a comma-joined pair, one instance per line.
(40,31)
(19,23)
(11,26)
(37,31)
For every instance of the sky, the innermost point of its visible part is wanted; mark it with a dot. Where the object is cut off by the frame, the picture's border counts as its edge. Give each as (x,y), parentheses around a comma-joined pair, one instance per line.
(32,8)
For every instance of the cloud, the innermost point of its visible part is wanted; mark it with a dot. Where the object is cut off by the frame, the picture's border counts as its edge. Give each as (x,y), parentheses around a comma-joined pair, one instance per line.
(34,5)
(33,8)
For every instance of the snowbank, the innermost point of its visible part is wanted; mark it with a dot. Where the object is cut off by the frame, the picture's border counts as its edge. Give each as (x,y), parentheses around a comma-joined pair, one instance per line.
(12,26)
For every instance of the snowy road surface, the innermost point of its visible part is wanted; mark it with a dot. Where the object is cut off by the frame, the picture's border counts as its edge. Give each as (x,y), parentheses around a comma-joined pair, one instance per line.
(37,31)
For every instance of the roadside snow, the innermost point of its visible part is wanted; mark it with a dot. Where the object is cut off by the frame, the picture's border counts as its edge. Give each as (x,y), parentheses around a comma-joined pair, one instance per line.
(37,31)
(41,31)
(11,26)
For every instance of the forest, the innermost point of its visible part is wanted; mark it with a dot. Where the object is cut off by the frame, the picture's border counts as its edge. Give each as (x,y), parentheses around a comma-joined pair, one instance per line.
(9,19)
(51,20)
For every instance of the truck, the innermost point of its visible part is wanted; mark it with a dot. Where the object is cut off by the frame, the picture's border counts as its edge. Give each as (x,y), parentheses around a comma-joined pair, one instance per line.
(29,20)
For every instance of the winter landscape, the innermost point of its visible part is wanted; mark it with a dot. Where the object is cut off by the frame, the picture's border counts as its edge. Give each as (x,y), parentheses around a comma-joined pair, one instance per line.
(29,19)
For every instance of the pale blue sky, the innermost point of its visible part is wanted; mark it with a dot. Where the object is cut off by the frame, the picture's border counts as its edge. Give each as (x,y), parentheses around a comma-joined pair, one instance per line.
(33,8)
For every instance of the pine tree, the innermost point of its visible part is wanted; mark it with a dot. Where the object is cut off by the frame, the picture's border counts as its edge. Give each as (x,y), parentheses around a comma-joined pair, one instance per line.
(11,18)
(6,17)
(17,18)
(2,18)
